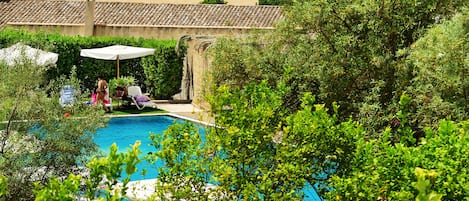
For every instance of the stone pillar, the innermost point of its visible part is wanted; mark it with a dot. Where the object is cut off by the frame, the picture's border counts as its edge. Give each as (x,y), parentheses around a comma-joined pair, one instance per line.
(89,17)
(196,66)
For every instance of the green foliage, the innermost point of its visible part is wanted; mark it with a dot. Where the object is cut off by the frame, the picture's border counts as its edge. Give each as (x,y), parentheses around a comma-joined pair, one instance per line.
(366,56)
(102,183)
(341,51)
(185,173)
(245,161)
(163,72)
(39,138)
(256,151)
(238,72)
(3,187)
(56,190)
(108,170)
(373,114)
(69,47)
(213,2)
(123,81)
(276,2)
(423,185)
(375,60)
(320,141)
(381,171)
(439,64)
(401,123)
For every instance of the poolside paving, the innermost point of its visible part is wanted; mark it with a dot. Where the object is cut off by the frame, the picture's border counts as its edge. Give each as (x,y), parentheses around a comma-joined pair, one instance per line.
(141,190)
(187,110)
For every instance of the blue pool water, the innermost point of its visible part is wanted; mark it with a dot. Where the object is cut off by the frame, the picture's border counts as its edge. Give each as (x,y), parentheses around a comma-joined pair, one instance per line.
(125,131)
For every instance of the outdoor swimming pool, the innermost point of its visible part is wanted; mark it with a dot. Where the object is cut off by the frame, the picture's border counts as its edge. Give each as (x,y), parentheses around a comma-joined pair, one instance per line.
(124,131)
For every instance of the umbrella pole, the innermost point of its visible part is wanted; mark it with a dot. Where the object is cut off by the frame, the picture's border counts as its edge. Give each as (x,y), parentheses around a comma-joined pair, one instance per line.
(117,66)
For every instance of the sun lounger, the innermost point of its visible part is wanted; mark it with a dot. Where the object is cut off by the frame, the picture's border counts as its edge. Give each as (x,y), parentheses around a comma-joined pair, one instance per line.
(139,99)
(67,95)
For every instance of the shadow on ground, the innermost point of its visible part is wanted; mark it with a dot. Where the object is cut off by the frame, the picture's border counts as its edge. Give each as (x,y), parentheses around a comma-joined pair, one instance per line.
(133,110)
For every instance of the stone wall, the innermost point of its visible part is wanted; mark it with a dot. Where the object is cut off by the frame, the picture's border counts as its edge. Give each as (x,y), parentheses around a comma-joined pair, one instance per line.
(196,82)
(164,32)
(158,32)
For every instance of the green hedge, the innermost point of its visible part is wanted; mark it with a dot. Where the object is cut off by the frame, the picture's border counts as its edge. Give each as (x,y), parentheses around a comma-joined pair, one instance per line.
(161,78)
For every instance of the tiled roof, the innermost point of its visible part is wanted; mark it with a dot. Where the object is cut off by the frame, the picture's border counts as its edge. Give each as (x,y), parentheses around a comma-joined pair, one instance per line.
(140,14)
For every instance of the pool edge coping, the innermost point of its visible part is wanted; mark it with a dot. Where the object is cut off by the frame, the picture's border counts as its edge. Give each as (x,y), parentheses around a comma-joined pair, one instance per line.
(164,114)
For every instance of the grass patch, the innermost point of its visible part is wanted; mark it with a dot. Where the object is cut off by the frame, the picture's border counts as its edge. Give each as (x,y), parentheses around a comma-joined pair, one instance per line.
(134,110)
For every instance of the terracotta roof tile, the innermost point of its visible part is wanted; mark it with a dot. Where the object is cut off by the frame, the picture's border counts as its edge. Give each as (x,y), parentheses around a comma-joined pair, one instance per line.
(59,12)
(140,14)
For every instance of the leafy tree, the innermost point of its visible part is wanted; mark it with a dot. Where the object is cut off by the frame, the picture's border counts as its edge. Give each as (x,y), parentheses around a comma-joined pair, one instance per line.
(185,174)
(341,51)
(102,183)
(356,53)
(384,171)
(379,167)
(255,151)
(439,67)
(38,137)
(57,190)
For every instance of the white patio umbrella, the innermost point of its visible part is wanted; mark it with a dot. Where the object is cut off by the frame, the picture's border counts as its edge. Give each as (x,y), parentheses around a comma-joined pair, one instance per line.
(117,52)
(19,52)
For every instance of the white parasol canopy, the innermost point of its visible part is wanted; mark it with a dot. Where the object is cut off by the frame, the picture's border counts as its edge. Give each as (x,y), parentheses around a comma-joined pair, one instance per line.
(117,52)
(19,52)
